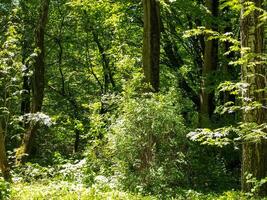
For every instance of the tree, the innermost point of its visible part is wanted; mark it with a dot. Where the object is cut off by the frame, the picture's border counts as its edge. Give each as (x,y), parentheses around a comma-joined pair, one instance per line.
(27,39)
(3,158)
(151,56)
(254,156)
(38,81)
(209,66)
(151,42)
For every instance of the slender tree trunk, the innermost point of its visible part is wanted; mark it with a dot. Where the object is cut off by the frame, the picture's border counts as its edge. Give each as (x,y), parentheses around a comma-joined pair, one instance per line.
(77,140)
(4,167)
(108,76)
(209,67)
(38,82)
(75,116)
(151,56)
(254,156)
(27,40)
(26,86)
(26,101)
(151,43)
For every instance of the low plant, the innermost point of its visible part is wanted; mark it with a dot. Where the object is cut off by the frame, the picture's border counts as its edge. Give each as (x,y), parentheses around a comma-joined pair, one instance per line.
(148,139)
(4,189)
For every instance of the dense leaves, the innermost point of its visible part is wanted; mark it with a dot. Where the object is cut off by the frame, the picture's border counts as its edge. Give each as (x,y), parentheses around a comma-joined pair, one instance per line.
(103,127)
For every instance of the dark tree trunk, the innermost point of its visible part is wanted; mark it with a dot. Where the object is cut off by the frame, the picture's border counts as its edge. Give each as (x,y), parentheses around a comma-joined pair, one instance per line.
(26,86)
(108,76)
(77,140)
(209,67)
(27,40)
(26,100)
(38,82)
(4,167)
(151,43)
(75,116)
(254,156)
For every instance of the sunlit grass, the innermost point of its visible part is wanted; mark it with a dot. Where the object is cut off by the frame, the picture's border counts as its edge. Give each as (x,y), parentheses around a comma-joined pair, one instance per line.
(67,191)
(63,190)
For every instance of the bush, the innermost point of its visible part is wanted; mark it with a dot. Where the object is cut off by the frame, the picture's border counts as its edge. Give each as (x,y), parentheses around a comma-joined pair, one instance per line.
(141,145)
(4,189)
(149,141)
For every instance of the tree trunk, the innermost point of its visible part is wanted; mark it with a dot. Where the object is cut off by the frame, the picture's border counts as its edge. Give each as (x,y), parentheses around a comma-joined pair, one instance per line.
(254,156)
(27,40)
(38,82)
(151,56)
(108,76)
(26,101)
(3,158)
(151,43)
(209,67)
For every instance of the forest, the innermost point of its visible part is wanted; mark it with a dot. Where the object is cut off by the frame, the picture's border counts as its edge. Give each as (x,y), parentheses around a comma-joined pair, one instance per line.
(133,99)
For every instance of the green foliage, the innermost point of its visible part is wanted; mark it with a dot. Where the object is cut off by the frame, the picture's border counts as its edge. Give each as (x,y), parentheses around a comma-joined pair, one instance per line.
(62,170)
(123,134)
(4,189)
(31,172)
(256,184)
(129,139)
(218,137)
(234,135)
(68,191)
(10,71)
(150,122)
(99,161)
(214,35)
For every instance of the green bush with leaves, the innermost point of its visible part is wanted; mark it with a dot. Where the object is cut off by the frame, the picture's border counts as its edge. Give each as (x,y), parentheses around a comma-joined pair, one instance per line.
(149,141)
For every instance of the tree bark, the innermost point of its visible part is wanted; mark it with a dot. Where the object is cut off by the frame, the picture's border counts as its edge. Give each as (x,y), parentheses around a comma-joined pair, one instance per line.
(38,82)
(151,56)
(3,158)
(254,156)
(209,67)
(27,40)
(25,106)
(151,43)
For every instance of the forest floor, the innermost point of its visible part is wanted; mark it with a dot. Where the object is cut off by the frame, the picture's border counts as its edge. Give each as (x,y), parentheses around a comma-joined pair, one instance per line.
(73,191)
(67,191)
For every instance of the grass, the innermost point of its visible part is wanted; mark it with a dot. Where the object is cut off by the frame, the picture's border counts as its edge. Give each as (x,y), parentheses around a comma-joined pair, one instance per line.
(67,191)
(62,190)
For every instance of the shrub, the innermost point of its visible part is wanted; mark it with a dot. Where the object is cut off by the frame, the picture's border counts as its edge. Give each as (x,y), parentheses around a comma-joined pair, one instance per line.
(149,141)
(4,189)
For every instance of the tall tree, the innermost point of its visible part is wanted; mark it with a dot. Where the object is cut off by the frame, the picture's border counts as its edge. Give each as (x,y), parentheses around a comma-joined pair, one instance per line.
(151,43)
(3,158)
(151,55)
(38,81)
(209,66)
(254,156)
(27,40)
